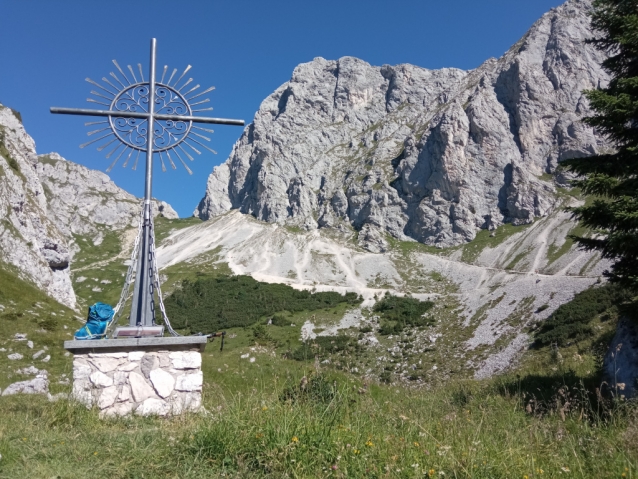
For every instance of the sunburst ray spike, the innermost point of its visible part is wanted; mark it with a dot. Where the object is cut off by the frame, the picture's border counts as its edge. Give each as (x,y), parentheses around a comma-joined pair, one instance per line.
(182,76)
(100,148)
(170,160)
(201,144)
(185,152)
(117,79)
(136,160)
(110,153)
(185,84)
(93,92)
(182,161)
(171,77)
(108,170)
(130,68)
(91,100)
(84,145)
(106,80)
(162,161)
(99,86)
(117,65)
(128,158)
(202,93)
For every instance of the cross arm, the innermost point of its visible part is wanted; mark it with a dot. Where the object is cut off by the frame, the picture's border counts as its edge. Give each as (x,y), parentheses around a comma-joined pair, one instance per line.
(134,114)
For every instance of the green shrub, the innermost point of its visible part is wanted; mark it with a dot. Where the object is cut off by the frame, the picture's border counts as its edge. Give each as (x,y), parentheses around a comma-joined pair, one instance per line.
(281,319)
(260,335)
(570,322)
(323,346)
(317,390)
(397,313)
(210,304)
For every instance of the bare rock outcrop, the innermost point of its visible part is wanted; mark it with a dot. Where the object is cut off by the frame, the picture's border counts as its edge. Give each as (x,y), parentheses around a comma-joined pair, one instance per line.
(45,200)
(432,155)
(29,241)
(82,200)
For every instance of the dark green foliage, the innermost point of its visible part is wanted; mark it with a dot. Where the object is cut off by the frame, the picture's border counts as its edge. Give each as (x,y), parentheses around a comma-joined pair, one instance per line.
(12,316)
(612,177)
(323,346)
(281,319)
(211,304)
(542,308)
(570,322)
(48,324)
(317,390)
(398,313)
(260,335)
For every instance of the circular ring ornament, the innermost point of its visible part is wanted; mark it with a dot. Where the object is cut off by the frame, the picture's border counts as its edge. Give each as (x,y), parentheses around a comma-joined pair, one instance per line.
(133,131)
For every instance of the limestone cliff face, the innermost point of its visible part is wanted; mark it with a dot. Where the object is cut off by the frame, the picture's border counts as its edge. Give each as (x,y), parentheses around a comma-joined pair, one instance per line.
(29,240)
(82,201)
(45,200)
(432,155)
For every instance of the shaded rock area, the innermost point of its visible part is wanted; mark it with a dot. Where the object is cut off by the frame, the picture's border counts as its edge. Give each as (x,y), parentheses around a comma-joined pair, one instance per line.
(432,155)
(620,365)
(144,383)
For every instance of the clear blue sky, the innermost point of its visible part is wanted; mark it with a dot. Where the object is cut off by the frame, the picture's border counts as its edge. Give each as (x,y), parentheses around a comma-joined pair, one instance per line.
(245,48)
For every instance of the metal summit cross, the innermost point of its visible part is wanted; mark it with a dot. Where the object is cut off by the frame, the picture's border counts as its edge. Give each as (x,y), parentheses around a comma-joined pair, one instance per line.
(151,117)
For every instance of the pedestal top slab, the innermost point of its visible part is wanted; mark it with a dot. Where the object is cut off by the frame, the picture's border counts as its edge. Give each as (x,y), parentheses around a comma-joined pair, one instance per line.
(180,343)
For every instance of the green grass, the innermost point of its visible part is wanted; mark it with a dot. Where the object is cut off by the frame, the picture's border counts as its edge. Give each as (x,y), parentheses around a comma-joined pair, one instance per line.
(262,423)
(484,239)
(46,323)
(571,322)
(555,252)
(165,227)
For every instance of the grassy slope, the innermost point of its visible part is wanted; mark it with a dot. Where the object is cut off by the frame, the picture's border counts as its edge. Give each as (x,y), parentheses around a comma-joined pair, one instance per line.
(367,429)
(460,427)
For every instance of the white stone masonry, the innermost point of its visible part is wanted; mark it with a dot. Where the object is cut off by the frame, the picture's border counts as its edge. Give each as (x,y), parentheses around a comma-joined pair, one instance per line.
(141,382)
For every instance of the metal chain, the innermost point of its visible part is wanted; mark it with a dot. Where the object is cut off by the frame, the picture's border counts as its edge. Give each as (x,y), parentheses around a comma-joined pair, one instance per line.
(157,281)
(124,295)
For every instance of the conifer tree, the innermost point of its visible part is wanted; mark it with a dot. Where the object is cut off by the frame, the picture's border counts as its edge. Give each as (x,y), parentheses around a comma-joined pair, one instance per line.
(612,177)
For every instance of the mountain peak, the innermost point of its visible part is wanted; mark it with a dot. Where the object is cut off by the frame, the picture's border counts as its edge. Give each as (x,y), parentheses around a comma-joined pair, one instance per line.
(431,155)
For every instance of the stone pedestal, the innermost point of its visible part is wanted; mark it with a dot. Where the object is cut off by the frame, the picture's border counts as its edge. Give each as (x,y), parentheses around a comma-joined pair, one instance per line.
(150,376)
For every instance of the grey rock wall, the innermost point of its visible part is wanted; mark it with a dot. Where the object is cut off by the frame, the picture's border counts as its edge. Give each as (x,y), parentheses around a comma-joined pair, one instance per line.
(29,241)
(82,200)
(432,155)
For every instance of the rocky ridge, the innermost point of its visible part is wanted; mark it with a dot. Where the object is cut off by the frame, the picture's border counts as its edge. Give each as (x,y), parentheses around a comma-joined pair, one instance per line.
(85,202)
(428,155)
(46,201)
(29,241)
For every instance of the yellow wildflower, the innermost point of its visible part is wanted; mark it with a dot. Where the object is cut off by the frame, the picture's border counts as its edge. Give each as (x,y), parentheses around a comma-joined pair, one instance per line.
(295,439)
(265,408)
(431,472)
(356,451)
(416,444)
(369,443)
